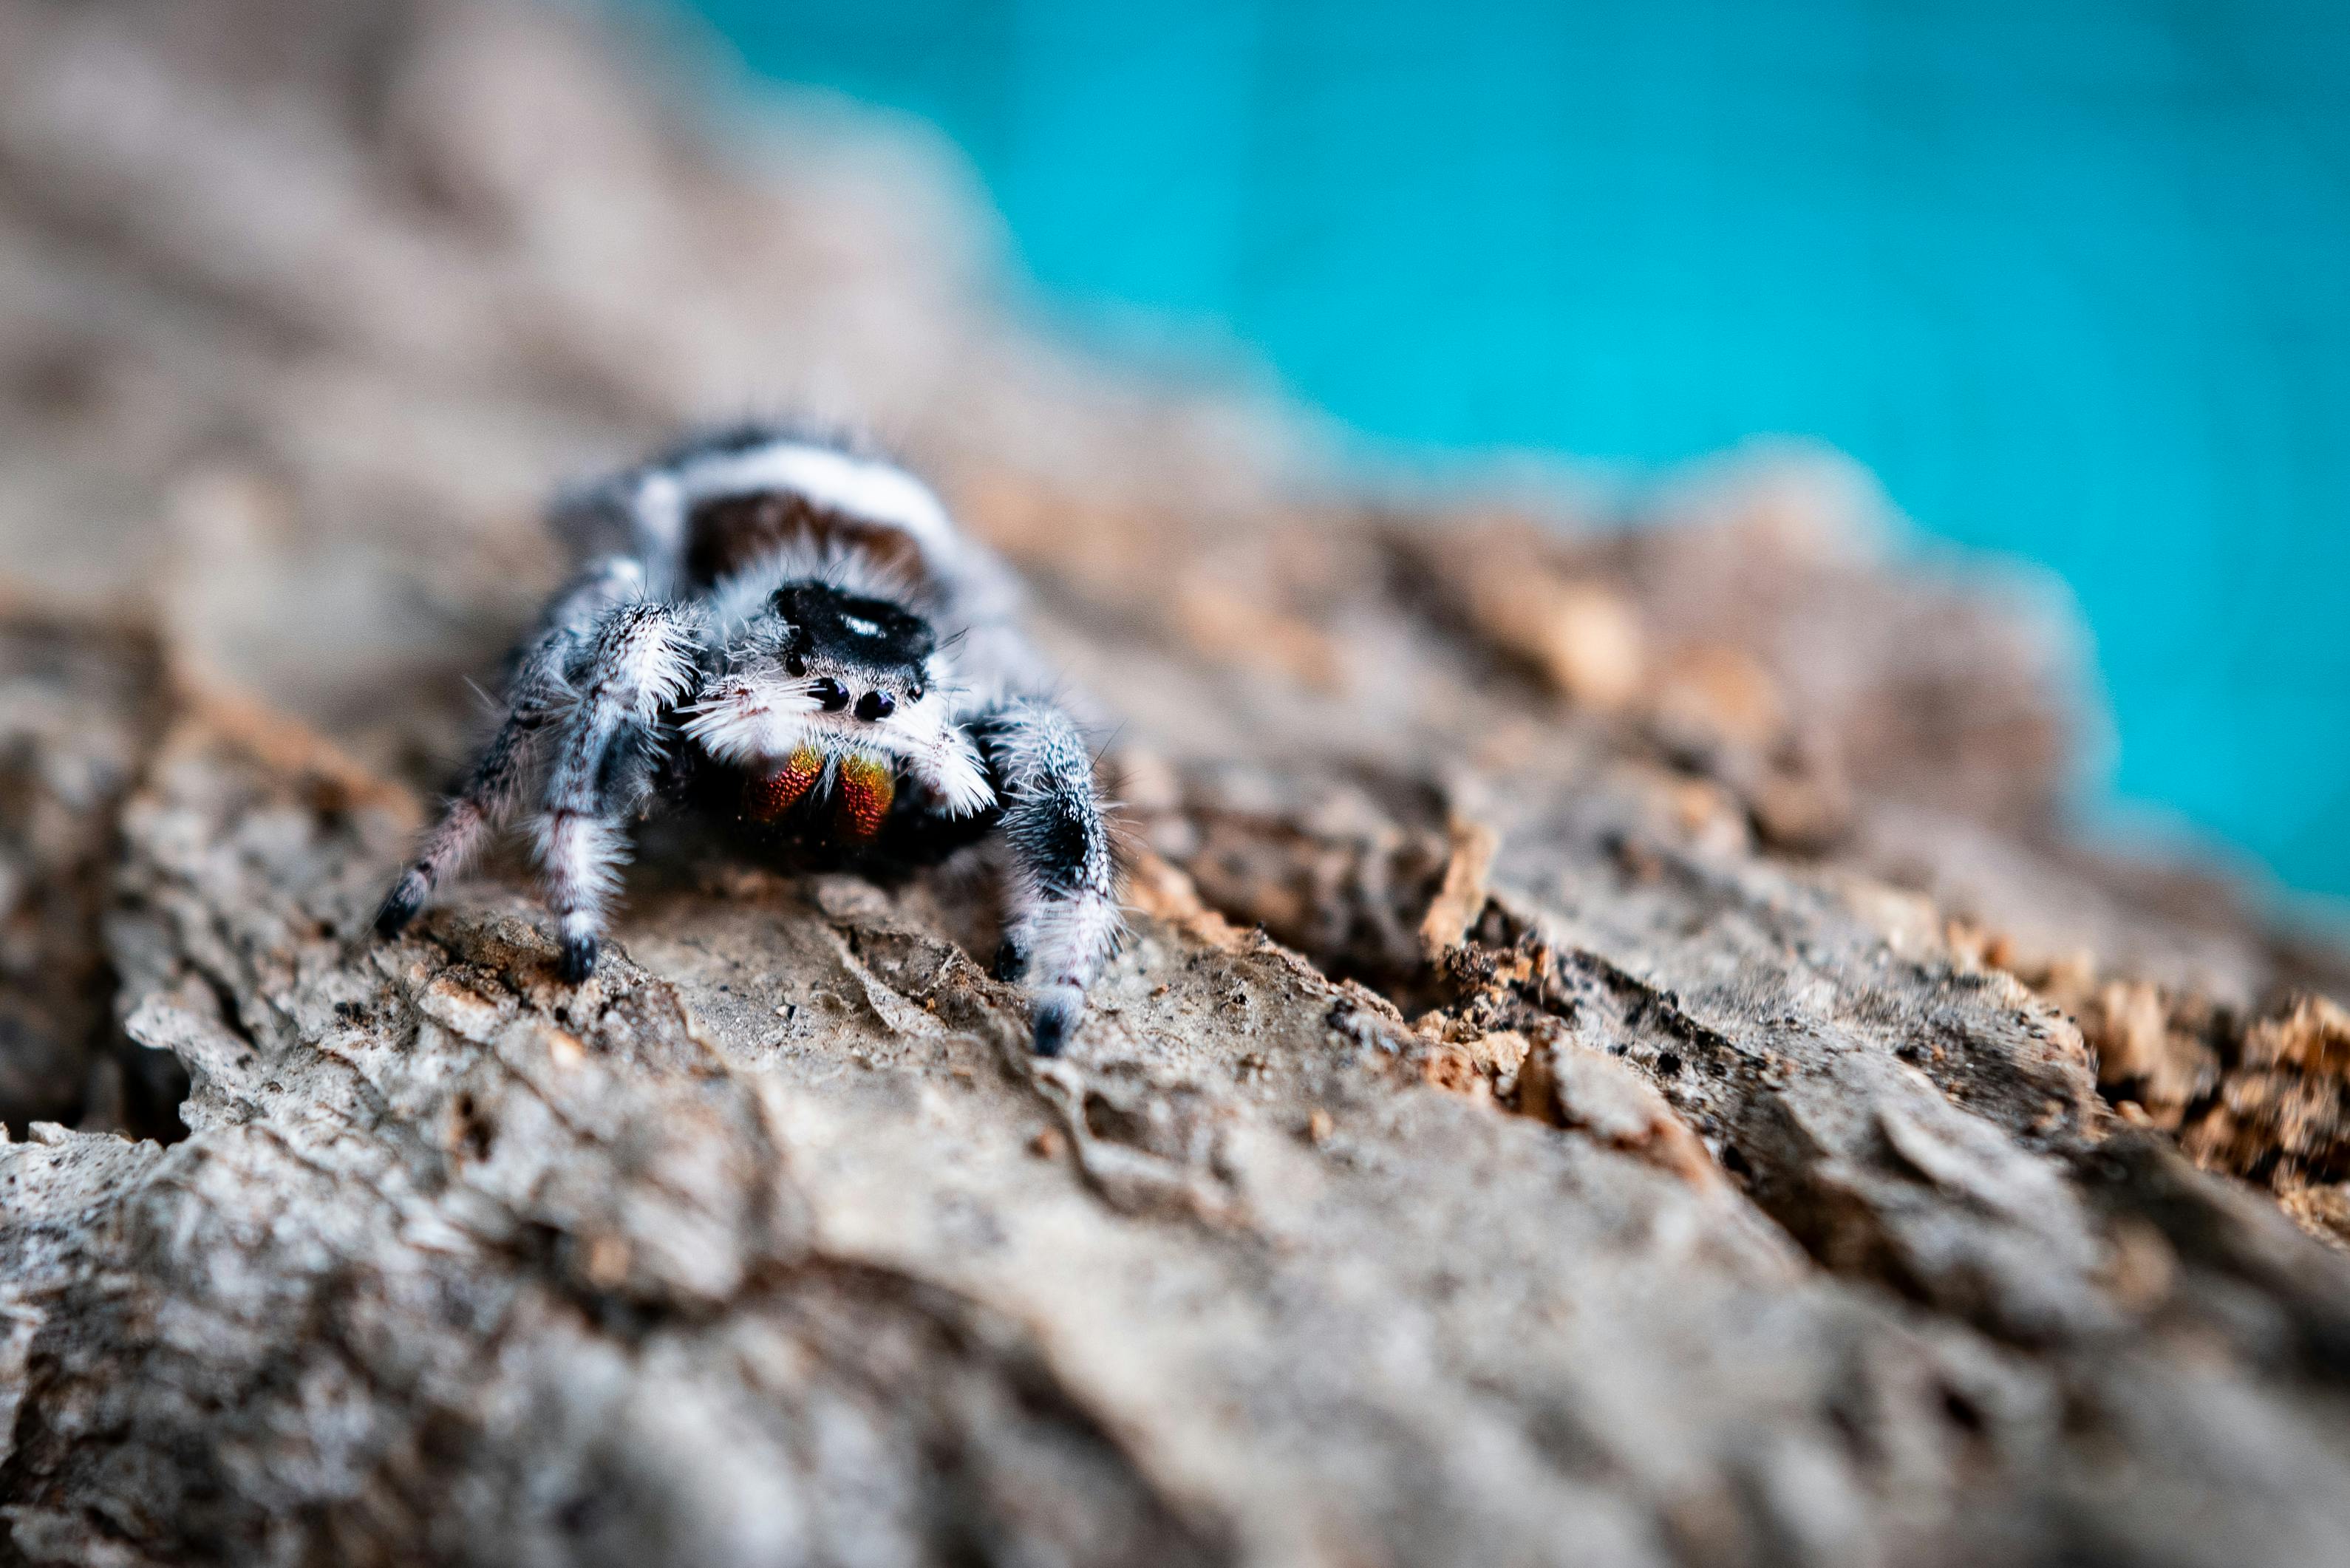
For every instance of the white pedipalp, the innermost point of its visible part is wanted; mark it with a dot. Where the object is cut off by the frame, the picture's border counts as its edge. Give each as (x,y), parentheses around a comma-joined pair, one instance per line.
(750,717)
(754,719)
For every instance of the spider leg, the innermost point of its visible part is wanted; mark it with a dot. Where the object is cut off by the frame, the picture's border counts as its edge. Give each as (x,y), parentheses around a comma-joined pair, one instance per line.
(642,661)
(1062,921)
(534,690)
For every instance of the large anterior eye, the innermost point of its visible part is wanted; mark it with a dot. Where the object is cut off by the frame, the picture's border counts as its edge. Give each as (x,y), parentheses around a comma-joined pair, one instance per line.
(876,705)
(829,692)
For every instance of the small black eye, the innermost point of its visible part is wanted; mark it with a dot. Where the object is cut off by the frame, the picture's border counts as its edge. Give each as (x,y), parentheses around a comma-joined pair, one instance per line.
(795,665)
(913,694)
(876,705)
(831,693)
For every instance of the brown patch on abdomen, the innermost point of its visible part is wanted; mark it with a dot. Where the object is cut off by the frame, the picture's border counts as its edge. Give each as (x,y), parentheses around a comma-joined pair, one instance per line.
(728,532)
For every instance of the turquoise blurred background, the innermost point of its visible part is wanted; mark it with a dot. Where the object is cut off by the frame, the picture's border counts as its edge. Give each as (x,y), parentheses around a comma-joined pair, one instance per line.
(2069,276)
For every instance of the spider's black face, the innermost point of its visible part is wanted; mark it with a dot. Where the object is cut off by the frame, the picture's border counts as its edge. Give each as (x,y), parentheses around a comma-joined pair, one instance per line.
(864,653)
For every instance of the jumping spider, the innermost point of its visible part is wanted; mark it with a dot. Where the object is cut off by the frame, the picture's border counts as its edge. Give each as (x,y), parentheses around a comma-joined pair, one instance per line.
(795,638)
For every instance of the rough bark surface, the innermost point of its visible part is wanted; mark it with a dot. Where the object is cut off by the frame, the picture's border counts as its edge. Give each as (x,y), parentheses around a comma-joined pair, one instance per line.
(1618,1062)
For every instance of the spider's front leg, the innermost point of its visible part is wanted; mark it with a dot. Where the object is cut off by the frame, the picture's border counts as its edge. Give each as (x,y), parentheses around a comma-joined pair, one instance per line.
(1062,921)
(537,690)
(641,662)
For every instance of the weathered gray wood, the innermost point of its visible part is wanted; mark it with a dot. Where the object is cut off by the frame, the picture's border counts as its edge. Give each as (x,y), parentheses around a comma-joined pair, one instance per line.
(1595,1078)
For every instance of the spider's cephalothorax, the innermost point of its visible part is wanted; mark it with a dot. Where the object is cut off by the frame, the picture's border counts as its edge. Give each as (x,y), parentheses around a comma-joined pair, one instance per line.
(798,636)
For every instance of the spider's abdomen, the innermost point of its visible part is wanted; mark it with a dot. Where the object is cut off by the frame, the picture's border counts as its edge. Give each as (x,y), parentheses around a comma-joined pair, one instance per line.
(724,503)
(730,533)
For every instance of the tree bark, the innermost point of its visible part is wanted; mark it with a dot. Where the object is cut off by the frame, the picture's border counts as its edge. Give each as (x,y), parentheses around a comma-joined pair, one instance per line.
(1617,1059)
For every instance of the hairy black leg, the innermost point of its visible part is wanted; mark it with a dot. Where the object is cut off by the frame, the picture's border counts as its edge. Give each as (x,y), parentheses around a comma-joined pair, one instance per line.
(579,959)
(640,662)
(1062,921)
(535,688)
